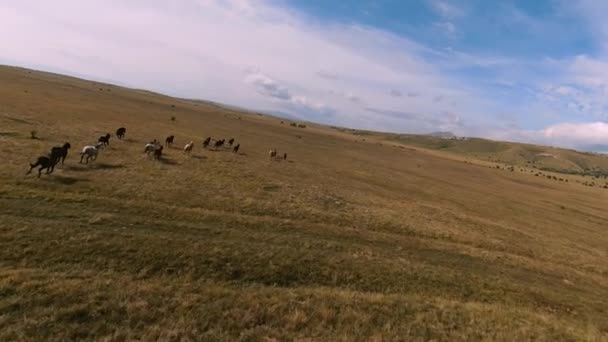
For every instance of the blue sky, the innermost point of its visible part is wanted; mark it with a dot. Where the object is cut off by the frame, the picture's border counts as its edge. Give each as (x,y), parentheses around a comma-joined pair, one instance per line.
(534,71)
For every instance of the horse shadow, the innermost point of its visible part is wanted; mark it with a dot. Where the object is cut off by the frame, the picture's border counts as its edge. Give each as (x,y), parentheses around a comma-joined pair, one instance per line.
(65,180)
(167,161)
(198,157)
(106,166)
(95,166)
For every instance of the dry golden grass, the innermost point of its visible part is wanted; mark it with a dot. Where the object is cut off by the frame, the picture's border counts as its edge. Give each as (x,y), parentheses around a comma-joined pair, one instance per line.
(347,240)
(543,158)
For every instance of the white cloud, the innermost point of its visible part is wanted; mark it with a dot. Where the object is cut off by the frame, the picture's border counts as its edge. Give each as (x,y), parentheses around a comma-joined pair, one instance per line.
(243,52)
(396,93)
(446,26)
(580,87)
(582,135)
(446,9)
(257,55)
(589,72)
(267,86)
(448,13)
(577,134)
(353,98)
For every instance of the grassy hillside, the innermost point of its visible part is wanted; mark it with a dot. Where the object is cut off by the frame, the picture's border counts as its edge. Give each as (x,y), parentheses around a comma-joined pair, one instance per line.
(537,157)
(346,240)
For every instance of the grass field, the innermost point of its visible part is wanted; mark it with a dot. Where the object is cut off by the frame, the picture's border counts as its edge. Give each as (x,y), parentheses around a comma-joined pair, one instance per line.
(545,158)
(346,240)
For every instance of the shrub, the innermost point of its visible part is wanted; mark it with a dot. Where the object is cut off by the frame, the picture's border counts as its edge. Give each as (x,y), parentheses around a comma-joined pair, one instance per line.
(34,134)
(173,118)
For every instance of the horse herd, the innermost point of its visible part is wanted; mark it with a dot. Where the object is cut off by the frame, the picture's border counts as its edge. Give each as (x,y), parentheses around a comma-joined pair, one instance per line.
(153,148)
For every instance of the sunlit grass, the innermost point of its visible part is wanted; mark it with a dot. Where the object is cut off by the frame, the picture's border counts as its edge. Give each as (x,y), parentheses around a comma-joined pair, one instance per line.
(346,240)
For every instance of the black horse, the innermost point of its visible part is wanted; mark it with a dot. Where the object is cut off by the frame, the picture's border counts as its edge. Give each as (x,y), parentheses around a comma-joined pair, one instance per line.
(120,133)
(206,142)
(158,153)
(45,163)
(59,153)
(105,139)
(169,140)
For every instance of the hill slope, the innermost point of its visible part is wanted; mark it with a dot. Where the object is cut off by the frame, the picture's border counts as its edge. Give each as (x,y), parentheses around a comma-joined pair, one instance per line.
(345,240)
(534,156)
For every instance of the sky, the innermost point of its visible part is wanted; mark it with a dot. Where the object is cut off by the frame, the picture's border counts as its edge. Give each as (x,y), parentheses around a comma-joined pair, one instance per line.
(518,70)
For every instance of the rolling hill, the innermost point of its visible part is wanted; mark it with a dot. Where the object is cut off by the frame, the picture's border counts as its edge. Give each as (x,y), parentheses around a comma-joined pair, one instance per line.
(353,237)
(538,157)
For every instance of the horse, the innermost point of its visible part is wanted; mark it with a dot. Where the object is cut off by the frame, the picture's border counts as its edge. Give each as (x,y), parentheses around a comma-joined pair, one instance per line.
(59,153)
(158,153)
(188,147)
(169,140)
(206,142)
(120,133)
(90,152)
(44,163)
(105,139)
(151,147)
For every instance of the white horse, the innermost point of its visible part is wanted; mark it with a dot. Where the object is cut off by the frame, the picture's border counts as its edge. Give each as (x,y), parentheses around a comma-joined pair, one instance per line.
(90,152)
(151,148)
(188,147)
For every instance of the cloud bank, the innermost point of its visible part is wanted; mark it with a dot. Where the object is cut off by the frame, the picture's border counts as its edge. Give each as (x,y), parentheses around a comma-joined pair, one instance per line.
(264,56)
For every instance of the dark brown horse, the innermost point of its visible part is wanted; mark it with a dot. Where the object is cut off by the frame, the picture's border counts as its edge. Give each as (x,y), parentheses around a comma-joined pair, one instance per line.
(44,163)
(169,140)
(105,139)
(120,133)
